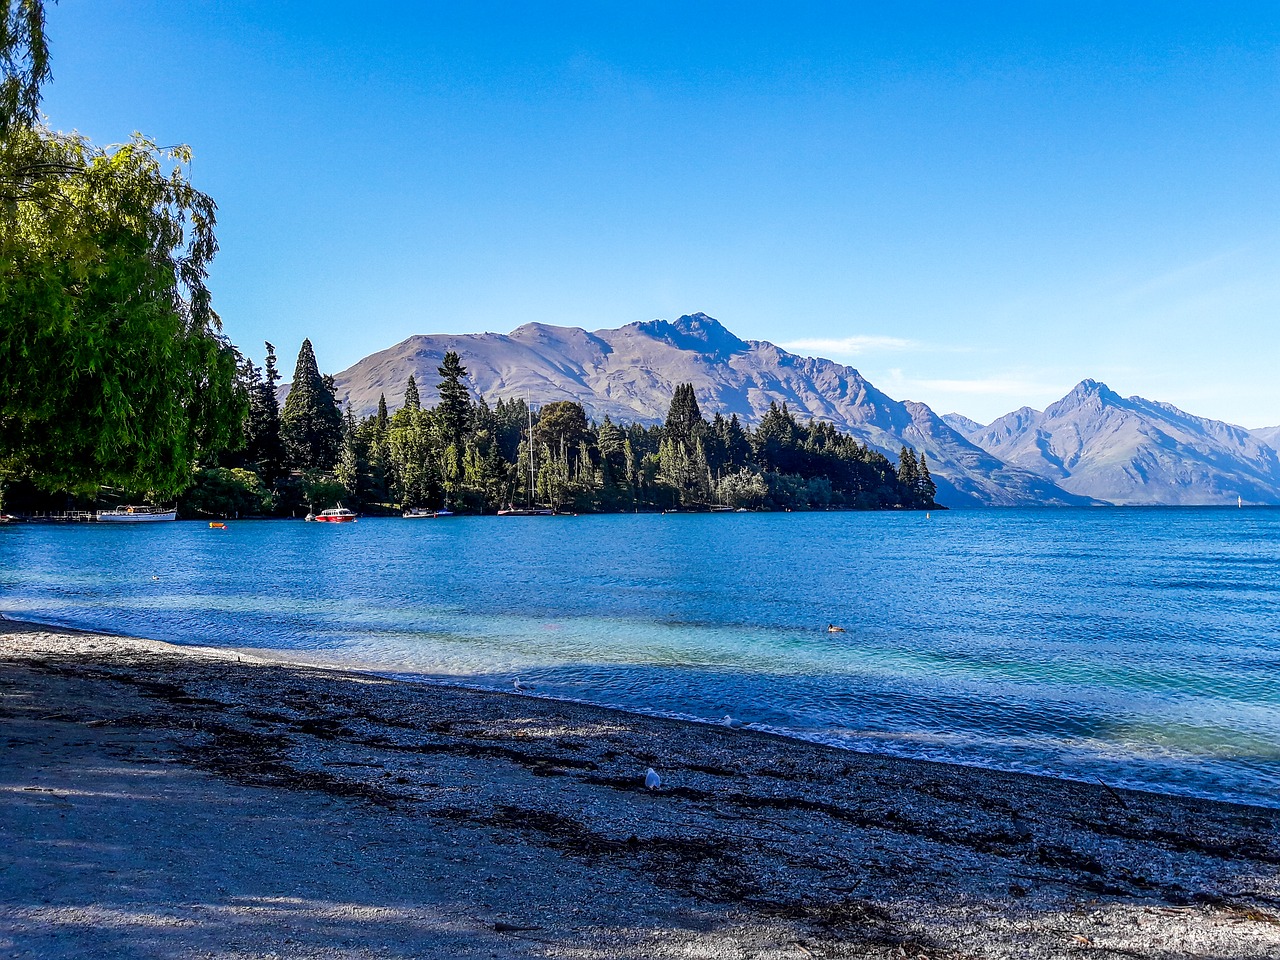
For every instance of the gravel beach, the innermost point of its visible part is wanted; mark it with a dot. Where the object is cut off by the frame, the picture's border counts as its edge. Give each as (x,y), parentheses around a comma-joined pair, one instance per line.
(172,801)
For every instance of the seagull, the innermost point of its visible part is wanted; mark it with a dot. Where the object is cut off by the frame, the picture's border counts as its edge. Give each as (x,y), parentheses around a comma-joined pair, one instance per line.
(651,779)
(520,685)
(731,723)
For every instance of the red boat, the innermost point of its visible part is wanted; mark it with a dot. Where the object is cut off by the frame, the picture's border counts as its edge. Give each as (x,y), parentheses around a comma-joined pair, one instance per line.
(338,514)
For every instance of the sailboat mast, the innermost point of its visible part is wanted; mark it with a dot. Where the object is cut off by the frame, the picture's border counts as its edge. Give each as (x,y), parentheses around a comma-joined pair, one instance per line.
(529,410)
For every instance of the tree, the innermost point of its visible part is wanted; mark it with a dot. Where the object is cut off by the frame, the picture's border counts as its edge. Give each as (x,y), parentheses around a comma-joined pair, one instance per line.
(311,424)
(684,422)
(24,63)
(112,367)
(262,425)
(411,399)
(561,425)
(925,485)
(454,409)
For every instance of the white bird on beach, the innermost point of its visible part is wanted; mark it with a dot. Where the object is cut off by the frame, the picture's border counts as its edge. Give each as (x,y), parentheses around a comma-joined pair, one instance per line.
(731,723)
(651,779)
(520,685)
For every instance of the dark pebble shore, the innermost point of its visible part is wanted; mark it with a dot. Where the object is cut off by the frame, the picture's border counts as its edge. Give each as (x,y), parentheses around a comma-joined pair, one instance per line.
(168,801)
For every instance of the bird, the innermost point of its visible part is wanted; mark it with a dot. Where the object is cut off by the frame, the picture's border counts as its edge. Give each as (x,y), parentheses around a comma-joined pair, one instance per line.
(731,723)
(832,628)
(520,685)
(651,779)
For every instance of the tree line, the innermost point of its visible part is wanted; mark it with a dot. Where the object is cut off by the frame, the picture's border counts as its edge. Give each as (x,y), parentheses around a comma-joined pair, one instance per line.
(117,383)
(462,453)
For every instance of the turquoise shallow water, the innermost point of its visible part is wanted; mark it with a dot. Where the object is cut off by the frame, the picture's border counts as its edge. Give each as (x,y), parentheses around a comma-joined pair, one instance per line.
(1141,647)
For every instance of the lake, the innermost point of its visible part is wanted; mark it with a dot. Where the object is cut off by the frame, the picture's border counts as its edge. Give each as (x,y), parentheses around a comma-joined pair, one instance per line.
(1136,646)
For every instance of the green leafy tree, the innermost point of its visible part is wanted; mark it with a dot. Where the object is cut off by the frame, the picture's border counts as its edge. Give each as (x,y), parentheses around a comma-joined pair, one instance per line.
(112,367)
(223,492)
(311,424)
(24,63)
(562,423)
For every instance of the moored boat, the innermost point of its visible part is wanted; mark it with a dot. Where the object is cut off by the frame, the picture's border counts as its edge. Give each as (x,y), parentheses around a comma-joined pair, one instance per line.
(338,514)
(526,512)
(137,515)
(422,513)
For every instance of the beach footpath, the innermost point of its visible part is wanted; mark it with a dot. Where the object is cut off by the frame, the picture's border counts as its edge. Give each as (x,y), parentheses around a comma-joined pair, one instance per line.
(167,801)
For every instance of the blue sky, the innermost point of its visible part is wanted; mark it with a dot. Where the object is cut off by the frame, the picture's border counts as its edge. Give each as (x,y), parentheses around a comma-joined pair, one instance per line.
(977,205)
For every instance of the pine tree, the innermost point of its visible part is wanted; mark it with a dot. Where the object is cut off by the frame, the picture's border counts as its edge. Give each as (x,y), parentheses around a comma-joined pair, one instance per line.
(411,399)
(454,408)
(908,475)
(262,427)
(383,419)
(311,423)
(684,422)
(928,489)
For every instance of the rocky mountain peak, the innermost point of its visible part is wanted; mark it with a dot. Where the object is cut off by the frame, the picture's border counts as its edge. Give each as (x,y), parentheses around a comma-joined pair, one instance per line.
(1087,394)
(697,332)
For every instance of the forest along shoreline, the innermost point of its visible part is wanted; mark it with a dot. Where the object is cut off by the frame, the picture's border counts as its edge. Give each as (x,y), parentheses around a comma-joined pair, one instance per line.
(195,798)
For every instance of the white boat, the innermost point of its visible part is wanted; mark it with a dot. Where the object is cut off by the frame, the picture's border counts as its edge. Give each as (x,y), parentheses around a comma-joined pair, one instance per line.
(137,515)
(422,513)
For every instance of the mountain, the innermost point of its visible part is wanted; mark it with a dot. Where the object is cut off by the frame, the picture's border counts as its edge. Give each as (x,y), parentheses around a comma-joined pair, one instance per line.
(630,373)
(1268,435)
(961,424)
(1095,443)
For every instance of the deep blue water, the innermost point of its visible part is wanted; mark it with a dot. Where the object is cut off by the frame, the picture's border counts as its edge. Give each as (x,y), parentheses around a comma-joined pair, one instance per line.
(1139,646)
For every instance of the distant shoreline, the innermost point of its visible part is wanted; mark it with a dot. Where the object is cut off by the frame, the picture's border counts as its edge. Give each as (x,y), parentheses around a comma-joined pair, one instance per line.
(518,822)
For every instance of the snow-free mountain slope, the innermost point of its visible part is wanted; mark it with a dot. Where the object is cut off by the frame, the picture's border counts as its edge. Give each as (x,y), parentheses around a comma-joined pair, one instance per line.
(1131,450)
(630,374)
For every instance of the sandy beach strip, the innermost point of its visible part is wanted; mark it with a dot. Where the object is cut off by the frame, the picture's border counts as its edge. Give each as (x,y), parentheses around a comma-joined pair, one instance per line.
(171,801)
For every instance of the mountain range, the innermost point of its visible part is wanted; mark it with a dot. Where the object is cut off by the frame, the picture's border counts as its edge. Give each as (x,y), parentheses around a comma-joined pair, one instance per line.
(1091,447)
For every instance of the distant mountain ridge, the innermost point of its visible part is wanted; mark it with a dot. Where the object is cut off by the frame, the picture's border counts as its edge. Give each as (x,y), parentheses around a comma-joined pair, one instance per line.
(1091,447)
(1095,443)
(630,373)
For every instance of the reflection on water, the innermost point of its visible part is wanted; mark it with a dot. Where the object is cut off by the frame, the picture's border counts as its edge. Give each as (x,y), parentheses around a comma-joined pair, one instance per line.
(1139,646)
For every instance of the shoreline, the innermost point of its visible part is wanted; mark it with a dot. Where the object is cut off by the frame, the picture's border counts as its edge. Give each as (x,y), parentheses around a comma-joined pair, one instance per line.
(288,658)
(532,834)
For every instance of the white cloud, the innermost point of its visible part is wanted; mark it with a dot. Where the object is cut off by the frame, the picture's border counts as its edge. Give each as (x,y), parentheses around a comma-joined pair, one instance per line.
(848,346)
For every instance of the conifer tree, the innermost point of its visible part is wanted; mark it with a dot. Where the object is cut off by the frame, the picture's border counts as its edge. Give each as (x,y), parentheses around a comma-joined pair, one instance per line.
(684,422)
(262,426)
(411,399)
(383,418)
(454,408)
(908,473)
(311,423)
(928,489)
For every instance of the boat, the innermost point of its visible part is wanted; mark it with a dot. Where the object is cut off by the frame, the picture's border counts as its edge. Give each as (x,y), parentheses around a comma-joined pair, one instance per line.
(338,514)
(422,513)
(530,511)
(137,515)
(721,508)
(217,525)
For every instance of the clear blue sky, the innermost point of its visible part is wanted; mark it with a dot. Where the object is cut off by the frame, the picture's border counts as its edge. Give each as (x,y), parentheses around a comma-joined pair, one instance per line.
(977,205)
